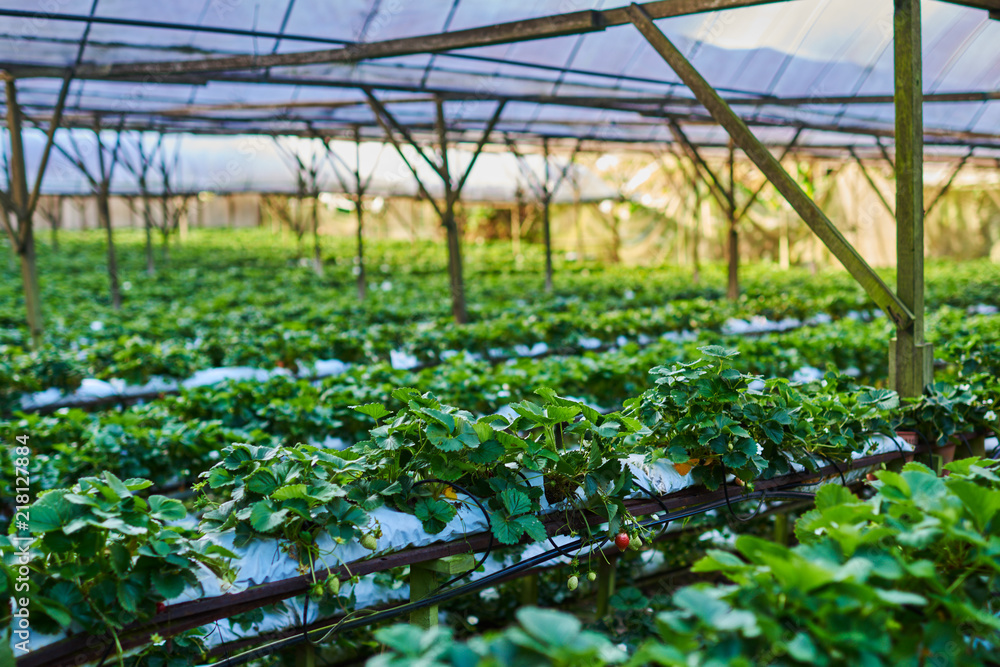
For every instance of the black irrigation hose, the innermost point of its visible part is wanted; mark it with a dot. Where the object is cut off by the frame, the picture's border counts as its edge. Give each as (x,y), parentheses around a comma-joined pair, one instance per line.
(489,528)
(660,502)
(895,440)
(560,549)
(488,580)
(965,441)
(725,492)
(843,480)
(104,657)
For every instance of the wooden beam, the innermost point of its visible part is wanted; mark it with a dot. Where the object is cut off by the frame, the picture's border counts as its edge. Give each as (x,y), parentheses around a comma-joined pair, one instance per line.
(573,23)
(871,182)
(951,179)
(756,193)
(50,136)
(967,96)
(910,358)
(885,154)
(382,113)
(378,111)
(807,209)
(479,147)
(701,168)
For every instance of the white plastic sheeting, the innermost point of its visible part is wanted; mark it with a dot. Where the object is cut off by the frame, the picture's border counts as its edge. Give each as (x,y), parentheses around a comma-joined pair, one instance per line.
(92,388)
(256,164)
(263,561)
(806,49)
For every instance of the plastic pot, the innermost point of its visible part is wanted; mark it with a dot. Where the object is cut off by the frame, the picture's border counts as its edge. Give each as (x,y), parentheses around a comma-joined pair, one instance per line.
(911,438)
(969,444)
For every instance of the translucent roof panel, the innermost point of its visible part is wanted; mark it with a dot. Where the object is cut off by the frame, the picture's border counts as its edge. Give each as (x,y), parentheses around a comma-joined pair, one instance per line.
(784,55)
(222,164)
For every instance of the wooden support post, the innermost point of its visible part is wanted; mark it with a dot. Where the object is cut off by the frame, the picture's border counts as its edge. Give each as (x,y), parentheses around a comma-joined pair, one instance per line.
(703,217)
(515,228)
(305,655)
(529,590)
(546,221)
(807,209)
(317,250)
(544,188)
(605,586)
(577,219)
(22,204)
(147,219)
(547,234)
(57,221)
(784,257)
(452,188)
(102,186)
(359,204)
(781,528)
(733,291)
(424,579)
(910,357)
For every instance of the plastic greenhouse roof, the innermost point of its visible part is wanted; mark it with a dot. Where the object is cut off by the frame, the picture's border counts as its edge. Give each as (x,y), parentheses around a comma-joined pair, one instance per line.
(257,164)
(825,65)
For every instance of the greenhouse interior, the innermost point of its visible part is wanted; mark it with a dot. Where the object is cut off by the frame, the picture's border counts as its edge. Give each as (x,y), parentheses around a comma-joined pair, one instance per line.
(459,333)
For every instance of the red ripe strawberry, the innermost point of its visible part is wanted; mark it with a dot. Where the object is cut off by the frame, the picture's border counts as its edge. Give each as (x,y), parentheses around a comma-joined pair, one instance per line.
(621,541)
(160,607)
(871,477)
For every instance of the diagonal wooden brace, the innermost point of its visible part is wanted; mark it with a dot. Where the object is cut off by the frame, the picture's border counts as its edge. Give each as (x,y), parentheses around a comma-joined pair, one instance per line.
(772,169)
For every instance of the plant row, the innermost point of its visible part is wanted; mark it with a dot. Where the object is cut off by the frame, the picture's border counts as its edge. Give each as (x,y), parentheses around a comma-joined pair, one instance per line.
(112,553)
(906,577)
(230,300)
(171,440)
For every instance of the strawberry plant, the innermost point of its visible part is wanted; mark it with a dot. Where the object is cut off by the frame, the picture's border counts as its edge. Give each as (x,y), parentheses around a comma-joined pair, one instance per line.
(943,411)
(294,494)
(703,413)
(105,556)
(542,637)
(704,417)
(907,577)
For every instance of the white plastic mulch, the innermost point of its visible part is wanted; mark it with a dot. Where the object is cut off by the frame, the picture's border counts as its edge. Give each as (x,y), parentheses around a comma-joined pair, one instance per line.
(92,388)
(263,561)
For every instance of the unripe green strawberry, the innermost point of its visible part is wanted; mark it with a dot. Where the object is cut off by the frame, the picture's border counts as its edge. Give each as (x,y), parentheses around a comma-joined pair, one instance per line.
(573,583)
(316,591)
(368,542)
(636,543)
(333,585)
(591,576)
